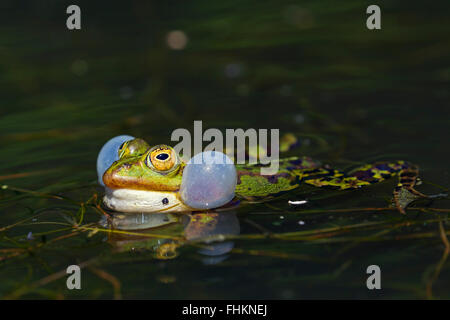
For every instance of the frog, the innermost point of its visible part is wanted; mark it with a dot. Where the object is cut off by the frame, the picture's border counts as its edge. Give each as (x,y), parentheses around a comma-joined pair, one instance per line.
(147,179)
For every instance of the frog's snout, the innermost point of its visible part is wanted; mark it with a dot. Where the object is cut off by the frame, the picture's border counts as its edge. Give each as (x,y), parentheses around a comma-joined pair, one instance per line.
(111,179)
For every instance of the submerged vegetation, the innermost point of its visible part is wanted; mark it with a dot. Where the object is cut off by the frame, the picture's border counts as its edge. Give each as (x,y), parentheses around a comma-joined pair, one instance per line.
(352,96)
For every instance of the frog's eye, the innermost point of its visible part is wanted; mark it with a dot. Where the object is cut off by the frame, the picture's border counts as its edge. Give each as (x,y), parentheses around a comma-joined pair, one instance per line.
(133,147)
(162,158)
(123,149)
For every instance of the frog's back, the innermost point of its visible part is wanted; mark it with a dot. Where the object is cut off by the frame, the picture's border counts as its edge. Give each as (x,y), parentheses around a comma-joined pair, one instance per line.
(254,186)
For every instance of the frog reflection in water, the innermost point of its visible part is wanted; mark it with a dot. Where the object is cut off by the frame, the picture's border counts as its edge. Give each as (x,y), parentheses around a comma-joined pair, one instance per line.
(148,179)
(194,227)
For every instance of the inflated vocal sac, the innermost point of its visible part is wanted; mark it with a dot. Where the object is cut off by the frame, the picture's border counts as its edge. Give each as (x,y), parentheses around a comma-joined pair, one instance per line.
(209,180)
(109,154)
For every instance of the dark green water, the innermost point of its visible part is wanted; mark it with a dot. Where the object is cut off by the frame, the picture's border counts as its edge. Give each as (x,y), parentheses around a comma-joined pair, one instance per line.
(308,67)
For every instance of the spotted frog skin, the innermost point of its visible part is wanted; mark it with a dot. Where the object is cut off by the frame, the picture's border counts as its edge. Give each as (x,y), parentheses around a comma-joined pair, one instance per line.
(147,179)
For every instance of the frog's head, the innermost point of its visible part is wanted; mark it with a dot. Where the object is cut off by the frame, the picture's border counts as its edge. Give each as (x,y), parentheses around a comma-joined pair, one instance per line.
(144,179)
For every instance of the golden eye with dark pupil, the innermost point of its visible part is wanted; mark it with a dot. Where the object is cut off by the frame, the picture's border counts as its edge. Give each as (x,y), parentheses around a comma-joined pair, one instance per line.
(162,158)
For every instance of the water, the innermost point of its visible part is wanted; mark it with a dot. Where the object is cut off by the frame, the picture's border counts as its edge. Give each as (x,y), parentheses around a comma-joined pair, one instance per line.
(351,95)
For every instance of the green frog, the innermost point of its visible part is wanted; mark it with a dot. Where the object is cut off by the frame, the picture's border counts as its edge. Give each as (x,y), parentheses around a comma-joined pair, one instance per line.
(148,179)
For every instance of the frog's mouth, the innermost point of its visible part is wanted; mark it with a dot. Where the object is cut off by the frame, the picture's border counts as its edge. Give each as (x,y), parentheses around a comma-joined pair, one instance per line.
(136,201)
